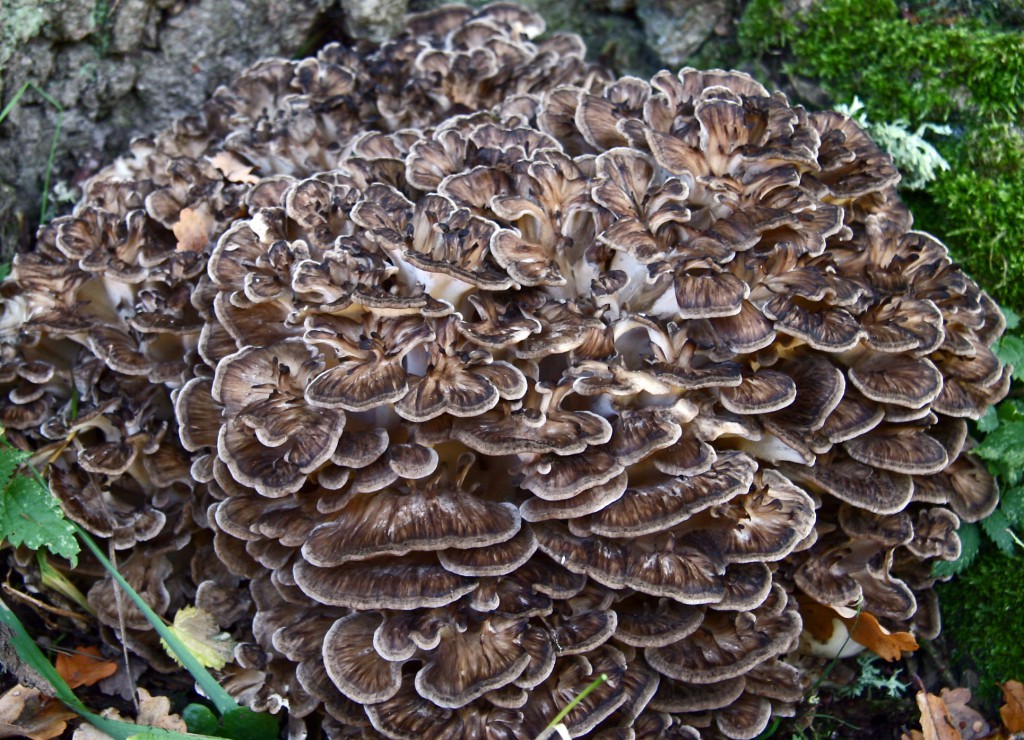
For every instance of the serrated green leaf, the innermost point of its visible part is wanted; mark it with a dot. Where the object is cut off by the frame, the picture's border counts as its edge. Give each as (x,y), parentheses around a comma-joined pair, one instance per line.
(1012,505)
(30,516)
(997,526)
(10,459)
(199,718)
(245,724)
(1005,446)
(970,544)
(990,421)
(1012,319)
(1010,350)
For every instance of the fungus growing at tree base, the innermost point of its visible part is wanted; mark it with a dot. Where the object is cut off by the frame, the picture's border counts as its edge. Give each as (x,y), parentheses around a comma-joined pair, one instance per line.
(474,373)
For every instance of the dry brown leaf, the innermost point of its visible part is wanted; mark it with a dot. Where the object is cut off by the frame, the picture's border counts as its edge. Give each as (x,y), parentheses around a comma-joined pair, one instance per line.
(84,667)
(234,169)
(154,711)
(876,638)
(968,721)
(193,229)
(26,712)
(935,720)
(864,629)
(1012,711)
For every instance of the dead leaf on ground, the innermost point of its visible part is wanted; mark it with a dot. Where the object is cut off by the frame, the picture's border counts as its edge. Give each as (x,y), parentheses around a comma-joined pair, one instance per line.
(864,629)
(876,638)
(1012,711)
(193,229)
(84,667)
(201,634)
(968,721)
(936,723)
(154,711)
(233,168)
(26,712)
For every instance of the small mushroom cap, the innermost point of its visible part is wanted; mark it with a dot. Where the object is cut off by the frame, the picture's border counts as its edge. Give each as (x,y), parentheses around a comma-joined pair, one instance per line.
(468,664)
(760,393)
(642,624)
(726,646)
(746,718)
(905,381)
(900,450)
(384,583)
(878,491)
(682,697)
(354,667)
(654,508)
(494,560)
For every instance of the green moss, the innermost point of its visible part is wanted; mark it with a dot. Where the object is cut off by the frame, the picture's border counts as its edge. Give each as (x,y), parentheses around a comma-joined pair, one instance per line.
(764,27)
(922,72)
(982,615)
(977,209)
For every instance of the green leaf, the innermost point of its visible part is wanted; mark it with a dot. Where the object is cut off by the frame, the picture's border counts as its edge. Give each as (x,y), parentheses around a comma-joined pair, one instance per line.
(1005,446)
(1012,319)
(213,690)
(997,526)
(199,718)
(245,724)
(970,544)
(10,459)
(1013,505)
(30,516)
(1010,350)
(990,421)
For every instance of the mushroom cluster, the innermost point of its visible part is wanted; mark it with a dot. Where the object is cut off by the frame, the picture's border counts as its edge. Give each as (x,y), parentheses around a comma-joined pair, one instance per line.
(483,373)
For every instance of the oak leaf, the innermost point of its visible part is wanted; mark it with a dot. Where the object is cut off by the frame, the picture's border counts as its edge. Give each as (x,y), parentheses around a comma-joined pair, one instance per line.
(26,712)
(1012,711)
(193,229)
(154,711)
(84,667)
(876,638)
(936,724)
(233,168)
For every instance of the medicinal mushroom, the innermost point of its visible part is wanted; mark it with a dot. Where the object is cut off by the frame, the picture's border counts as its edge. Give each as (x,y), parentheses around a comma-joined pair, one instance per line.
(486,374)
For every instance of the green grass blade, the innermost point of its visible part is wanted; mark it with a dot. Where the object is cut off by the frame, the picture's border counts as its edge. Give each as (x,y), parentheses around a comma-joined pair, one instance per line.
(571,705)
(214,691)
(33,657)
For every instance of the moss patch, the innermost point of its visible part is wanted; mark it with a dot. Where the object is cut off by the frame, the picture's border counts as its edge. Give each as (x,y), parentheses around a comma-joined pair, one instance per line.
(983,614)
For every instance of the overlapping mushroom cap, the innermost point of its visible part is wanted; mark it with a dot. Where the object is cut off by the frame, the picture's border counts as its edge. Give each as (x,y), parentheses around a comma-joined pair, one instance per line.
(496,376)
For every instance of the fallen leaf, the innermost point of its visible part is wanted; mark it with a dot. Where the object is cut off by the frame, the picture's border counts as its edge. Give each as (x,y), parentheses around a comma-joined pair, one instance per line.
(26,712)
(154,711)
(968,721)
(203,638)
(936,723)
(876,638)
(84,667)
(864,629)
(193,229)
(1012,712)
(234,169)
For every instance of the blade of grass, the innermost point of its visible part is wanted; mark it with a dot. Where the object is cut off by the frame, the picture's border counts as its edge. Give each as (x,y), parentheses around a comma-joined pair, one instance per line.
(571,705)
(32,656)
(53,143)
(214,691)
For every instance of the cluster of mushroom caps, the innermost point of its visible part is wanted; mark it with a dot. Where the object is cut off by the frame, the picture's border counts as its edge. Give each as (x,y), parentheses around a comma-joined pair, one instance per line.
(484,374)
